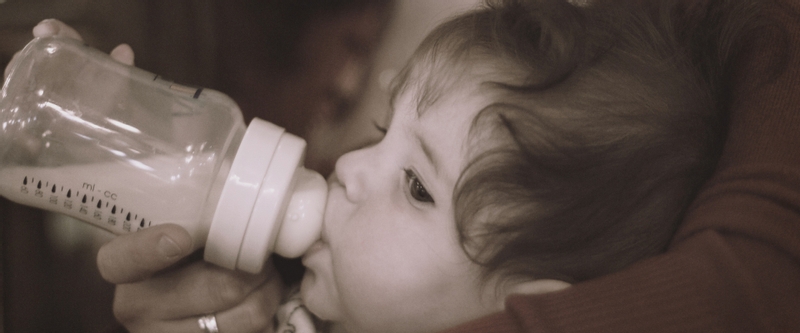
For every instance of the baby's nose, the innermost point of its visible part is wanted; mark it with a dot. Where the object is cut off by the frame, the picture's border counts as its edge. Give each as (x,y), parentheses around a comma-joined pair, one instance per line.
(351,173)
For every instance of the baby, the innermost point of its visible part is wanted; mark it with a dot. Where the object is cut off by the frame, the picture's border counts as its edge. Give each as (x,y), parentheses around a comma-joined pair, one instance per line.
(531,145)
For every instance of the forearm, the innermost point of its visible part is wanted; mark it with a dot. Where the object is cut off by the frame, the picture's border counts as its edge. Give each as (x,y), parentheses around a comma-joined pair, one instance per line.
(710,283)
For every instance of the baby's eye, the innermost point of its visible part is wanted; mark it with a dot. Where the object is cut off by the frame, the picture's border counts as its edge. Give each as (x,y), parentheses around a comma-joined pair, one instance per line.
(415,187)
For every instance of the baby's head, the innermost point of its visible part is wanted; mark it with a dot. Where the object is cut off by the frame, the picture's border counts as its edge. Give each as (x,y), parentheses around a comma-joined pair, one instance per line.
(529,144)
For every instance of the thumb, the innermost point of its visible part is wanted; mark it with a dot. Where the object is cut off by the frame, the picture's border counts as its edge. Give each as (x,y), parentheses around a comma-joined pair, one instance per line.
(136,256)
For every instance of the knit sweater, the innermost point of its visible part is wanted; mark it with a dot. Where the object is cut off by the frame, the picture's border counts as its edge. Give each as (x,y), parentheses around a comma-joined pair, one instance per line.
(734,264)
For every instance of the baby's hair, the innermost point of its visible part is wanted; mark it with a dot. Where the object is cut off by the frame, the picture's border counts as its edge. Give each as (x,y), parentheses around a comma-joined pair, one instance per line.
(607,118)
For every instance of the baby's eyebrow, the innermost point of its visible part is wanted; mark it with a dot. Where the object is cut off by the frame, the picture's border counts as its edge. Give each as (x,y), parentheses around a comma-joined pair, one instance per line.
(430,155)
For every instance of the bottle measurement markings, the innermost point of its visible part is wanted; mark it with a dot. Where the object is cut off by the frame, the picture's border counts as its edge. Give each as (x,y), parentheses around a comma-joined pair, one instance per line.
(101,208)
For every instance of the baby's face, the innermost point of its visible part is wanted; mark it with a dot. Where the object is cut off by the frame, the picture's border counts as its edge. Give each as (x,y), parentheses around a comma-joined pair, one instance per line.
(389,259)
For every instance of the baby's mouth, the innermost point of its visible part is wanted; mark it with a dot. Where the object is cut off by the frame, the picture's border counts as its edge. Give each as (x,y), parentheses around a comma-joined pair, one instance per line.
(316,247)
(312,254)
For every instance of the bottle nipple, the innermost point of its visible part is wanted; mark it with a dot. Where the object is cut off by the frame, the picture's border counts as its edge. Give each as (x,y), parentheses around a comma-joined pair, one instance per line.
(302,223)
(269,203)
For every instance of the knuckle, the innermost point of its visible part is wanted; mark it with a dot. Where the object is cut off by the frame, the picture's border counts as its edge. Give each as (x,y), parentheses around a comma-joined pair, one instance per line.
(107,266)
(136,319)
(260,308)
(270,296)
(226,290)
(127,306)
(255,317)
(103,266)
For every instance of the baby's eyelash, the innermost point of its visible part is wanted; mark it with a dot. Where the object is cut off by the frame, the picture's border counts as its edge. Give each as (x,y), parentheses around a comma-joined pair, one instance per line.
(416,189)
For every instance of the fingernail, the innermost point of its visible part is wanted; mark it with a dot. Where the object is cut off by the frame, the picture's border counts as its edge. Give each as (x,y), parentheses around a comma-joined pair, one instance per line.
(169,248)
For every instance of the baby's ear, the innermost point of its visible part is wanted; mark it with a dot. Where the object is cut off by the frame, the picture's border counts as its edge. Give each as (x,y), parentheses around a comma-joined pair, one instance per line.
(532,287)
(537,287)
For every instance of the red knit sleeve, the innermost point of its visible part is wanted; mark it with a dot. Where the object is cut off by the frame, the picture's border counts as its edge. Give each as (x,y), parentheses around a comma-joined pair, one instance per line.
(734,265)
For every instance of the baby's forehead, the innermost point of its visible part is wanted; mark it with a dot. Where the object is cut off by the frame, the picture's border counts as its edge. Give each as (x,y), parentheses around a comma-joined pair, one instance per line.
(462,97)
(427,83)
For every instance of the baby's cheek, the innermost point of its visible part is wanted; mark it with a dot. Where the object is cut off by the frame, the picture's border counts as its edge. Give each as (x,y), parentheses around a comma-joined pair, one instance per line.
(372,309)
(393,291)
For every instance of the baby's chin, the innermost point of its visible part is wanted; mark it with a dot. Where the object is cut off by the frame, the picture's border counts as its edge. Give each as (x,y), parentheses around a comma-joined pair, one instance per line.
(314,298)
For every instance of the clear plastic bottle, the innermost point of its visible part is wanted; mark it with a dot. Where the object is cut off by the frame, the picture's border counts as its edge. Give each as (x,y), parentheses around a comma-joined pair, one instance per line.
(123,149)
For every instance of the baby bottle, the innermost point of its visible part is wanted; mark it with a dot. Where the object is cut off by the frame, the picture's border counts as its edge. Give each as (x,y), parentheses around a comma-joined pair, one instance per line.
(123,149)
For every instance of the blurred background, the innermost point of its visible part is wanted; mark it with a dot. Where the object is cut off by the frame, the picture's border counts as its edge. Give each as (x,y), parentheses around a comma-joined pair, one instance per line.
(319,68)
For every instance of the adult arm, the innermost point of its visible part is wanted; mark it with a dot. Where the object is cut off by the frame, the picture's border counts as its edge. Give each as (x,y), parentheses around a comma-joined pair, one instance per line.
(734,264)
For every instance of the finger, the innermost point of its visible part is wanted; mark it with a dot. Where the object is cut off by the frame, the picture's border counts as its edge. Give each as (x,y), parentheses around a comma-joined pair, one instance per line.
(149,307)
(123,53)
(194,289)
(53,27)
(136,256)
(254,314)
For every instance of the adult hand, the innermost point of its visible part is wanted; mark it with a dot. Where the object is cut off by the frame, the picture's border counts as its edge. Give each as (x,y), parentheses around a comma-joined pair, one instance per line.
(162,288)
